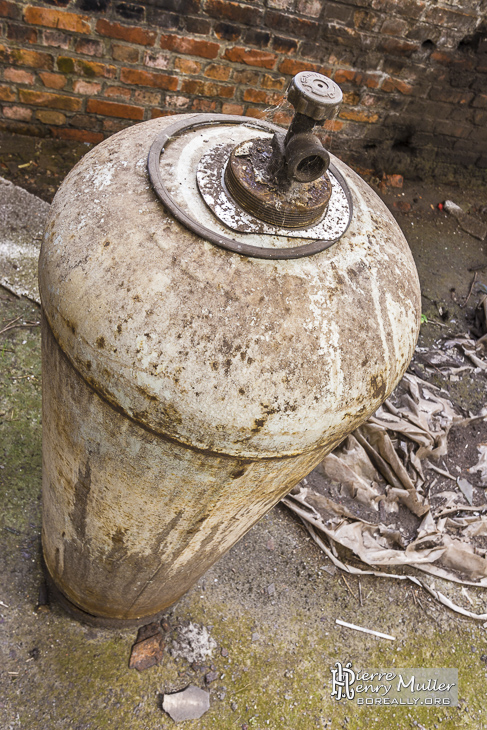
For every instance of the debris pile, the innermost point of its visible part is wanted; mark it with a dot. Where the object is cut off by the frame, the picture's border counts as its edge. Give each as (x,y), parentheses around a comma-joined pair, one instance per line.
(377,495)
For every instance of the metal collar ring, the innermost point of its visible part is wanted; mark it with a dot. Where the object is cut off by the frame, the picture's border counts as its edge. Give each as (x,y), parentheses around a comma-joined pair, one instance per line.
(204,120)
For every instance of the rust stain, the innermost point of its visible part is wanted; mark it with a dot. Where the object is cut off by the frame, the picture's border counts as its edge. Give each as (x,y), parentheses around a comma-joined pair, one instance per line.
(82,489)
(379,386)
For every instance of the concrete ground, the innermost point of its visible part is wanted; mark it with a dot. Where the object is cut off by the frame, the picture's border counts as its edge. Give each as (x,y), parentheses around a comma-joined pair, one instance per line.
(271,603)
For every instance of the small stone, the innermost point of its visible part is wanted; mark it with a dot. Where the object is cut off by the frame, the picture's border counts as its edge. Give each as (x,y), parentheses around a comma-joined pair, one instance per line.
(165,625)
(210,677)
(403,206)
(224,652)
(147,653)
(255,636)
(233,706)
(452,208)
(270,544)
(271,589)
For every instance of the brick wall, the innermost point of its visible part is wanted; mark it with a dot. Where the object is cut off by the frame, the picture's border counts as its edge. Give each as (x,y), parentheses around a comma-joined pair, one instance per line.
(413,72)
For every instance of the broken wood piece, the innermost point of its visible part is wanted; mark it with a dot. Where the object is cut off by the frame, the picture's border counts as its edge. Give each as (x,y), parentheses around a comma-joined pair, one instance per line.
(365,631)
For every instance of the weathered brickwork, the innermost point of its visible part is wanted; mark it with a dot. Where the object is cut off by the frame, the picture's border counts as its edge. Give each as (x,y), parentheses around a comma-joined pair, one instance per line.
(413,72)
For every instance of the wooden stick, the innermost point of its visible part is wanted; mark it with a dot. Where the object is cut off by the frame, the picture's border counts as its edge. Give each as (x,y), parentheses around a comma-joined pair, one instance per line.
(349,589)
(365,631)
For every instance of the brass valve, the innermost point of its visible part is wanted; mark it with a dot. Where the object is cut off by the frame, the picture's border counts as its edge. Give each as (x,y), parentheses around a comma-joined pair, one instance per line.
(283,181)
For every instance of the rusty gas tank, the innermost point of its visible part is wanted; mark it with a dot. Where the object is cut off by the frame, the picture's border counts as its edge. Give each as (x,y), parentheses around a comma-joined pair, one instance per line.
(223,302)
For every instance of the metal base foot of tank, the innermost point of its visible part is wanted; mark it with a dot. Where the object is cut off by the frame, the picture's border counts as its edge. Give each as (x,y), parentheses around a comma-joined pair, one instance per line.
(101,622)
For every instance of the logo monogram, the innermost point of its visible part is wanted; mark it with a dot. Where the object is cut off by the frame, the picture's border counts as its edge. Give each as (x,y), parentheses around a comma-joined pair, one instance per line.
(343,678)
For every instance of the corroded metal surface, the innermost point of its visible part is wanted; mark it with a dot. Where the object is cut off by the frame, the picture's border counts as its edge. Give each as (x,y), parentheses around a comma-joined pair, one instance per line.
(251,184)
(222,352)
(210,178)
(214,233)
(130,519)
(196,386)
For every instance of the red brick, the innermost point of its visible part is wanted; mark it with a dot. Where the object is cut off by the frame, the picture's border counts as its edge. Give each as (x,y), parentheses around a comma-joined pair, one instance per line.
(394,26)
(273,82)
(129,33)
(450,96)
(143,96)
(365,20)
(17,112)
(147,78)
(344,75)
(391,84)
(9,10)
(33,59)
(246,76)
(190,46)
(56,39)
(398,47)
(46,116)
(21,34)
(227,32)
(85,121)
(291,25)
(284,45)
(393,181)
(480,101)
(312,8)
(215,71)
(18,76)
(207,88)
(53,81)
(57,19)
(187,66)
(81,135)
(291,67)
(228,108)
(283,118)
(452,129)
(53,101)
(333,125)
(112,109)
(256,113)
(250,57)
(87,88)
(156,113)
(157,60)
(351,99)
(442,57)
(450,19)
(118,92)
(203,105)
(90,47)
(239,13)
(257,96)
(480,118)
(115,125)
(7,93)
(125,53)
(358,116)
(372,80)
(92,69)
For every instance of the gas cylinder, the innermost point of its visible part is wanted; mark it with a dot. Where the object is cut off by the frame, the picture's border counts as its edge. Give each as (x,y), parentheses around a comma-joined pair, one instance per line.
(223,301)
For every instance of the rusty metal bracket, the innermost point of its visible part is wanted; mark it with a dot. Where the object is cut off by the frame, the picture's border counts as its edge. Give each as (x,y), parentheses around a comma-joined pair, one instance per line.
(230,244)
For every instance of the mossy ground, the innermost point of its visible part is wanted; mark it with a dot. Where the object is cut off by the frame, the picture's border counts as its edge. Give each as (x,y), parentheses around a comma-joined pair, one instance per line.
(58,674)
